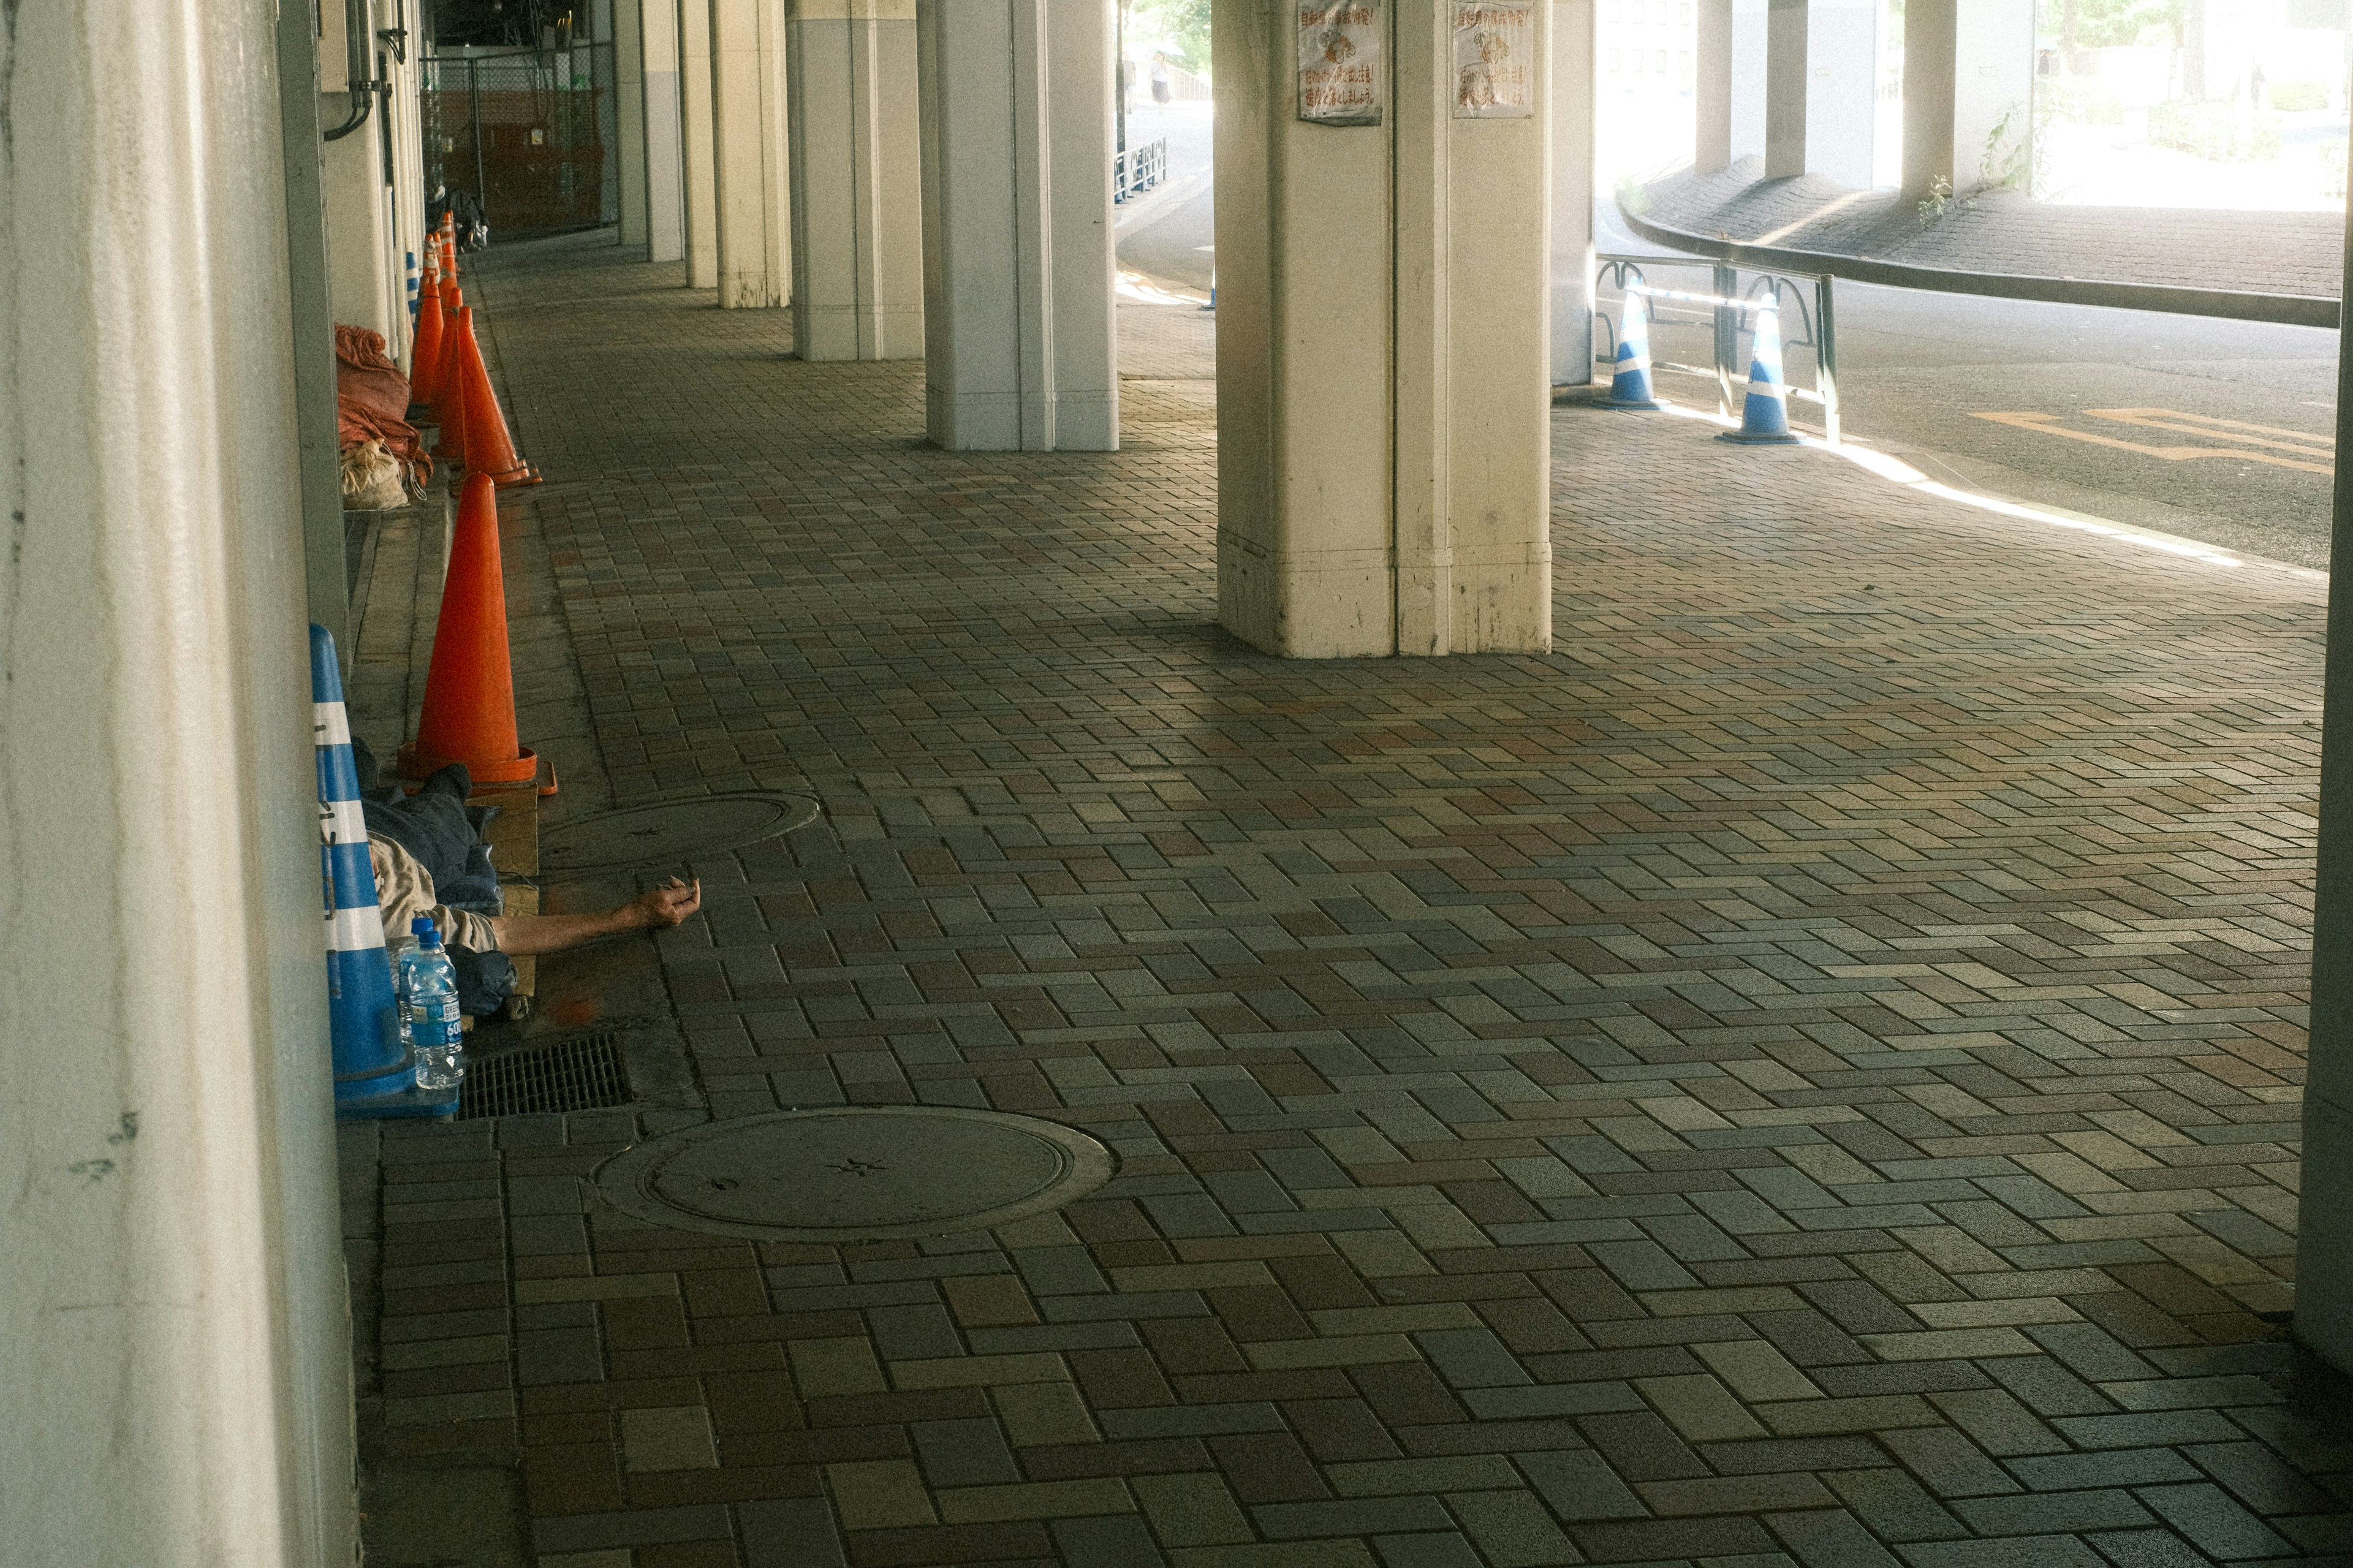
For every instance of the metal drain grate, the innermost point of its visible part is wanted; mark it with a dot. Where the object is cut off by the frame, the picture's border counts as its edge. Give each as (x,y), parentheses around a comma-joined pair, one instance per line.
(583,1073)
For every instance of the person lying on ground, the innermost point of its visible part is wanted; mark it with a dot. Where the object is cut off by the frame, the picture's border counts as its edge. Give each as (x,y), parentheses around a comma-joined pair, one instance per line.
(404,889)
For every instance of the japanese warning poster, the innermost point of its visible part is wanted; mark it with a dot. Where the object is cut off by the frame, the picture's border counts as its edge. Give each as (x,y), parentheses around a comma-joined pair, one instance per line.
(1494,60)
(1340,61)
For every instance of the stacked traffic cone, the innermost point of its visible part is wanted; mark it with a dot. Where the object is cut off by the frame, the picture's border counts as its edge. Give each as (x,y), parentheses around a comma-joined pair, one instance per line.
(468,714)
(424,353)
(1765,412)
(374,1073)
(490,449)
(449,386)
(1631,387)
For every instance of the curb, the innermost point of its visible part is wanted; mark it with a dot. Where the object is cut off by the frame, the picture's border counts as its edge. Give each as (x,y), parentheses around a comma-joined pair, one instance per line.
(2284,309)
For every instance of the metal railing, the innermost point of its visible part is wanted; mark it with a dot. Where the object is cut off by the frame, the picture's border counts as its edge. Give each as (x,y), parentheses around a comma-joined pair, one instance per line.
(1139,169)
(1729,304)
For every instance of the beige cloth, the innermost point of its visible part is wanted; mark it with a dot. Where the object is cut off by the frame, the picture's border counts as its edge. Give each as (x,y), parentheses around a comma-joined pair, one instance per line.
(404,889)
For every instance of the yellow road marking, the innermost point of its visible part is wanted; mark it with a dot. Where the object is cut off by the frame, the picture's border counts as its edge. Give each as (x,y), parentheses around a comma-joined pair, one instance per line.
(2049,425)
(2220,429)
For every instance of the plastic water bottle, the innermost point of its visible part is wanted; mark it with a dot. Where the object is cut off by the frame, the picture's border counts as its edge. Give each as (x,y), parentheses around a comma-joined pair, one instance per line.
(430,993)
(398,946)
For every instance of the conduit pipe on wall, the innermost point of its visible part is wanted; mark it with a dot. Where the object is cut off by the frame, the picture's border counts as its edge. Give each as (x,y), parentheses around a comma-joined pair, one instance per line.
(362,87)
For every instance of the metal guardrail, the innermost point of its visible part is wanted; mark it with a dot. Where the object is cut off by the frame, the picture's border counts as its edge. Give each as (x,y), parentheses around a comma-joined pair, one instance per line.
(1729,302)
(2289,310)
(1139,169)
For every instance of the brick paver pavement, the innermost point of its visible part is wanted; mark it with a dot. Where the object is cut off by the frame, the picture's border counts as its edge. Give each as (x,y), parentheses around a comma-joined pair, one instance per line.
(1805,1073)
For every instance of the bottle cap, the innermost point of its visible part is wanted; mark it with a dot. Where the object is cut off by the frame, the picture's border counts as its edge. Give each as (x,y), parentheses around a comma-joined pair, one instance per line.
(428,934)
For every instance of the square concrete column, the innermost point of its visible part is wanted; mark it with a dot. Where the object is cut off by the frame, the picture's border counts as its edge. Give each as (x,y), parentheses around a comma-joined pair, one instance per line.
(176,1387)
(1384,347)
(752,192)
(1969,74)
(665,157)
(630,116)
(1785,88)
(1572,192)
(698,150)
(1728,83)
(1018,334)
(1821,66)
(858,231)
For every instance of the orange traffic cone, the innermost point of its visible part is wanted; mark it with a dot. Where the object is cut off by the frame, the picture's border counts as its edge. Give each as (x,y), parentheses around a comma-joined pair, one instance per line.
(468,714)
(447,364)
(425,351)
(451,448)
(490,449)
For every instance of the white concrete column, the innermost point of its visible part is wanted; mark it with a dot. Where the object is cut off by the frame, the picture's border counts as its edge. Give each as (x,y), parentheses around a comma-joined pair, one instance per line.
(1822,72)
(1384,352)
(630,116)
(1712,87)
(1572,191)
(665,165)
(1786,70)
(174,1388)
(1968,73)
(1749,67)
(699,151)
(752,192)
(1728,85)
(1018,325)
(857,241)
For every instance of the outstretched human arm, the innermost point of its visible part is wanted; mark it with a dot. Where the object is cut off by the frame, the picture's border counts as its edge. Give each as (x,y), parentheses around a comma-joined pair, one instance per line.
(667,905)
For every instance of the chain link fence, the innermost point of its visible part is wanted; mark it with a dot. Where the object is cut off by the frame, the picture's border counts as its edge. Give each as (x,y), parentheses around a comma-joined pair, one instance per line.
(533,132)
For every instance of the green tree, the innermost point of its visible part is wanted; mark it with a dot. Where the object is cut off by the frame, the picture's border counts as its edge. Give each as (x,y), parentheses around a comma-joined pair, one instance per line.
(1185,23)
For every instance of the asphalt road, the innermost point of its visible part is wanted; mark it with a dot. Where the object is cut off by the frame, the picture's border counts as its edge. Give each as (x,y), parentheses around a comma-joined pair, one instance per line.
(1169,235)
(2218,431)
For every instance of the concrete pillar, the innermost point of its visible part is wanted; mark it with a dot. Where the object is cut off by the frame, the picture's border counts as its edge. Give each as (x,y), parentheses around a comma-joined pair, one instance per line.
(1749,67)
(752,189)
(857,241)
(1384,350)
(1785,88)
(2323,1244)
(630,115)
(699,151)
(665,155)
(1728,83)
(1572,191)
(1821,66)
(1019,327)
(175,1389)
(1712,87)
(1969,74)
(311,327)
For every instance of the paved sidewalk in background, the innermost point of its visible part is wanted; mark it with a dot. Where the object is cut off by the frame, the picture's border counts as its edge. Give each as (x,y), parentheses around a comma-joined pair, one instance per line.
(1804,1074)
(2005,232)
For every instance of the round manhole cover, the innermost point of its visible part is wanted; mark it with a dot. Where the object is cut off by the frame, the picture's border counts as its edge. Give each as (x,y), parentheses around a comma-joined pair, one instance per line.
(856,1173)
(671,831)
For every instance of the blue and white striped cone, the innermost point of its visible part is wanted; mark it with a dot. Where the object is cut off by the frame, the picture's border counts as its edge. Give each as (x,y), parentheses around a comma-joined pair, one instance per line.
(375,1075)
(1631,387)
(413,287)
(1765,412)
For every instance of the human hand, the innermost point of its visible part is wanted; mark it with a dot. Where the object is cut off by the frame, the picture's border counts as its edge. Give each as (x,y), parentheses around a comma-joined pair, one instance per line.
(668,904)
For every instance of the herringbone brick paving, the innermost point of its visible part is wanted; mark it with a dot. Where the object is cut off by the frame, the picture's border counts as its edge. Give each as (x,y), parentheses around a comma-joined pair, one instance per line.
(1806,1072)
